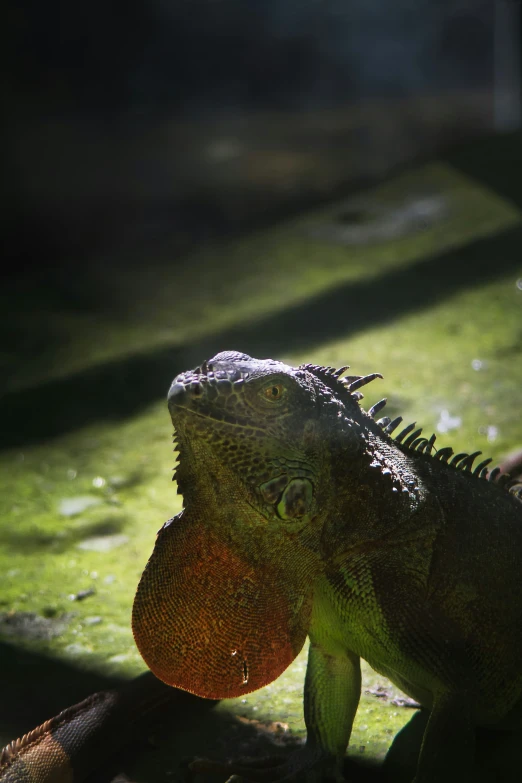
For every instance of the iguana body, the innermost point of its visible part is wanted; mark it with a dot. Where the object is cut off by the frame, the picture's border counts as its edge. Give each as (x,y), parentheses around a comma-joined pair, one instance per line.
(303,516)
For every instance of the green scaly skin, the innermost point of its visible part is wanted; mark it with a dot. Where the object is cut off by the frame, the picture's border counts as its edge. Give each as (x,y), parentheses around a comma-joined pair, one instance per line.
(303,516)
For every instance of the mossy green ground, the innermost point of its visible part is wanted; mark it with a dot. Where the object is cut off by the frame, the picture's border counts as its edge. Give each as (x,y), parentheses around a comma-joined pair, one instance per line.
(79,513)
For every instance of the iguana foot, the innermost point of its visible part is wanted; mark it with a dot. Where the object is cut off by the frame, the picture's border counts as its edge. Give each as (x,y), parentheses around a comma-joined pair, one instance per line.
(303,766)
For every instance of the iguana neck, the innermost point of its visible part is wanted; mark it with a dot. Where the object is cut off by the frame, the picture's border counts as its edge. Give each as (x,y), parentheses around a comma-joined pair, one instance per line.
(382,492)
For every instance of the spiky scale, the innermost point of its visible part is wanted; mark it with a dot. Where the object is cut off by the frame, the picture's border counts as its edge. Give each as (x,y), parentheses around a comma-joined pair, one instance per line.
(444,454)
(430,444)
(363,381)
(393,425)
(414,435)
(458,457)
(399,438)
(377,407)
(327,374)
(340,371)
(418,444)
(494,474)
(481,467)
(384,421)
(467,464)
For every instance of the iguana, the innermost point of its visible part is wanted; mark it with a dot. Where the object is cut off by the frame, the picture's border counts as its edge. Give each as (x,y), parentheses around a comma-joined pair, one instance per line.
(305,516)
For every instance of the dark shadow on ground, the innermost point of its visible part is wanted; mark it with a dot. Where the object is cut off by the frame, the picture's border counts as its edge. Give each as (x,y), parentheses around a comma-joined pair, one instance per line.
(35,687)
(179,728)
(183,727)
(121,388)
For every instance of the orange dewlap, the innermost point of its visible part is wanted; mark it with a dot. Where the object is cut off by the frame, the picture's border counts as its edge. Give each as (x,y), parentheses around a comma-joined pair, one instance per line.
(211,622)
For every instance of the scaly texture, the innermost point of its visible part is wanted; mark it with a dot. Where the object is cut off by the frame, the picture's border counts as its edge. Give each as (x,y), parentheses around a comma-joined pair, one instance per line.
(303,515)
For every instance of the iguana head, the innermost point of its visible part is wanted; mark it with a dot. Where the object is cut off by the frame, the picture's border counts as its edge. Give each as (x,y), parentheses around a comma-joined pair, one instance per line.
(255,425)
(224,604)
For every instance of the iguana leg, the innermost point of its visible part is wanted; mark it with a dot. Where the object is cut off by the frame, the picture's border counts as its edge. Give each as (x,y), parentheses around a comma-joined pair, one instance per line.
(448,746)
(331,698)
(332,691)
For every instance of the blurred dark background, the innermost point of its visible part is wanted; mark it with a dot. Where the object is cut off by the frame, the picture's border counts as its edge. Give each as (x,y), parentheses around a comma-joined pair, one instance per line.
(127,123)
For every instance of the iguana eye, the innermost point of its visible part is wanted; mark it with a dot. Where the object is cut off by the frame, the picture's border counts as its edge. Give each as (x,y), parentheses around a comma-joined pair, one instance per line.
(274,392)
